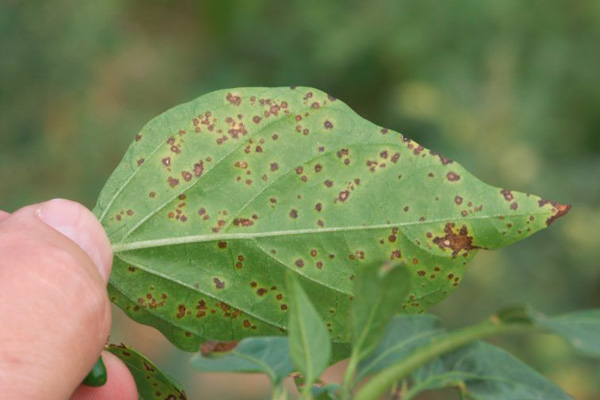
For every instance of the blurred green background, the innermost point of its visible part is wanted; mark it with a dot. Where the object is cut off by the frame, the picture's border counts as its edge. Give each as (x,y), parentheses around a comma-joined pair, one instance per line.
(510,89)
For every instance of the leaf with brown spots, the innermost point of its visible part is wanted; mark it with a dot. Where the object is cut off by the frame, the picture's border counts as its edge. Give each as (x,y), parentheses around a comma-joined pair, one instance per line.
(289,179)
(151,382)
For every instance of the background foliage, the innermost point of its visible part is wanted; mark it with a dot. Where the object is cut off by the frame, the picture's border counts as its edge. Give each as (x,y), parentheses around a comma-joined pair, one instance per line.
(507,88)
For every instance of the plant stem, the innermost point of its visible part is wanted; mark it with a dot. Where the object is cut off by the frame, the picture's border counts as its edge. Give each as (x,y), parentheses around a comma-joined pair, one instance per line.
(348,382)
(378,385)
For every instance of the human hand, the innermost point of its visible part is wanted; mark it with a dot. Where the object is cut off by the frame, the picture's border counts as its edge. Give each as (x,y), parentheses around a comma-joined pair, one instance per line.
(55,260)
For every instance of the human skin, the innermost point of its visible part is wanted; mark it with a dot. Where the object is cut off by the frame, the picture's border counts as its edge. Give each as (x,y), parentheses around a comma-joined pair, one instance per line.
(55,260)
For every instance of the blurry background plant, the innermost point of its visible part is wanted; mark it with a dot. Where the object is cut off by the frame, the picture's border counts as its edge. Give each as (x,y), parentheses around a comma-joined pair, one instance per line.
(510,89)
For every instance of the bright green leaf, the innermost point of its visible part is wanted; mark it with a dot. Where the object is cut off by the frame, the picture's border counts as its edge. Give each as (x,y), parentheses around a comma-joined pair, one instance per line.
(152,383)
(310,344)
(217,198)
(269,355)
(485,372)
(378,292)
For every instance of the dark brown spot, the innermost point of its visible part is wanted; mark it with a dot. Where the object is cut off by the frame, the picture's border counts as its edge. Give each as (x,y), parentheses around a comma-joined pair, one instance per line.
(198,168)
(274,167)
(173,181)
(318,207)
(186,175)
(299,263)
(294,213)
(328,125)
(507,195)
(343,196)
(328,183)
(514,206)
(421,272)
(181,311)
(166,161)
(218,283)
(261,291)
(318,168)
(456,240)
(452,176)
(222,245)
(458,200)
(233,99)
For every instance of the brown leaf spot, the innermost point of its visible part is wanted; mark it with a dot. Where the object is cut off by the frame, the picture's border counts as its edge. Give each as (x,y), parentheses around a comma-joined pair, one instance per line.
(274,167)
(328,125)
(294,213)
(343,196)
(222,245)
(328,183)
(456,240)
(199,168)
(508,196)
(452,176)
(458,200)
(560,211)
(514,206)
(219,284)
(166,161)
(181,311)
(318,207)
(233,99)
(299,263)
(173,181)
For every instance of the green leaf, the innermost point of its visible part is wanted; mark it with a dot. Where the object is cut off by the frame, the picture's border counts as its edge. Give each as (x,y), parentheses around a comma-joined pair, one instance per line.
(269,355)
(404,334)
(581,329)
(151,382)
(217,198)
(485,372)
(310,345)
(378,292)
(327,392)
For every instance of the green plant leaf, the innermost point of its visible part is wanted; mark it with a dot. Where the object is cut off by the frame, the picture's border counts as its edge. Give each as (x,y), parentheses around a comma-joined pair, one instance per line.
(378,291)
(269,355)
(581,329)
(403,335)
(151,382)
(485,372)
(327,392)
(310,345)
(217,198)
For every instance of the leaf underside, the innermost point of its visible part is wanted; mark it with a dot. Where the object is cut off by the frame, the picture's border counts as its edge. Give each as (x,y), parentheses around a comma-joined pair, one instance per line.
(217,198)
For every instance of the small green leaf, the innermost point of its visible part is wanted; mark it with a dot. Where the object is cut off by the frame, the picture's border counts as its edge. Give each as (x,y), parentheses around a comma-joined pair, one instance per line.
(151,382)
(404,334)
(378,292)
(310,345)
(485,372)
(327,392)
(97,376)
(218,198)
(268,355)
(581,329)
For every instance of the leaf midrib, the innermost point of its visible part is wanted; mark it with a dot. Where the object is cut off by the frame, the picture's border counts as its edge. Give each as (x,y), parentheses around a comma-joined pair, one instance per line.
(144,244)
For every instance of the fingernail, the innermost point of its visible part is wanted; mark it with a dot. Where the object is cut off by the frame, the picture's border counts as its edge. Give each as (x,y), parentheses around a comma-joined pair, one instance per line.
(78,224)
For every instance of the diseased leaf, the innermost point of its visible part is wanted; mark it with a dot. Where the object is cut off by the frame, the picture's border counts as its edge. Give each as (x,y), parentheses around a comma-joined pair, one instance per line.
(269,355)
(151,382)
(310,344)
(485,372)
(378,291)
(217,198)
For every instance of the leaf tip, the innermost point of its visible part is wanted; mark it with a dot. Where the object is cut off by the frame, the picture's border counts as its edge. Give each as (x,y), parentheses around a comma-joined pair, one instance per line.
(559,210)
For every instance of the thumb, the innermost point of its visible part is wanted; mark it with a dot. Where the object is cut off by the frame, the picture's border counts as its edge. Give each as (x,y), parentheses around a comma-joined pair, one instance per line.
(54,311)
